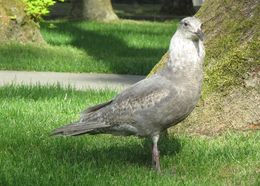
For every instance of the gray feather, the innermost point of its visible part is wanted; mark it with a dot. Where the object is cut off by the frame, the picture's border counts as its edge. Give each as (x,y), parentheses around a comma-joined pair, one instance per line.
(96,107)
(77,128)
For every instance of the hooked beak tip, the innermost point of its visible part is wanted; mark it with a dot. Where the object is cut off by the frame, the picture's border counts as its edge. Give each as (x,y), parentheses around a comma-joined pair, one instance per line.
(200,35)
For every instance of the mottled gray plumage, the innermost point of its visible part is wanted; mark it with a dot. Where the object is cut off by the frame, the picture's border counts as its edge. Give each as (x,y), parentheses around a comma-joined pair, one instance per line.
(154,104)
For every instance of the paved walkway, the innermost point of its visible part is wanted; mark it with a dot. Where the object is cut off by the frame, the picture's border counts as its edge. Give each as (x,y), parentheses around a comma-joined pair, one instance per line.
(79,81)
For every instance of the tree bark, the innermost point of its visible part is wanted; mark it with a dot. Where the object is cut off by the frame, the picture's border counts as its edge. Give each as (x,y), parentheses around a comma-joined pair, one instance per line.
(98,10)
(15,25)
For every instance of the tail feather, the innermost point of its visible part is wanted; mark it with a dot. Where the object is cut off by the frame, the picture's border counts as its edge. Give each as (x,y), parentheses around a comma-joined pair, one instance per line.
(78,128)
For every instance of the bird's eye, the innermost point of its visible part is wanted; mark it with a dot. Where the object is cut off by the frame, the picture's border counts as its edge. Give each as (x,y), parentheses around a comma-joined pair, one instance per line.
(186,24)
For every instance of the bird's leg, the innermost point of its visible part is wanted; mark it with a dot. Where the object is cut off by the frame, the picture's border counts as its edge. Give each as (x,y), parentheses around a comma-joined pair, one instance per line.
(155,154)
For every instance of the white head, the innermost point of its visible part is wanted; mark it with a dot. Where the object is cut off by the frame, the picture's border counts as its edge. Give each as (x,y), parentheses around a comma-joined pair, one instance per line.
(190,27)
(186,47)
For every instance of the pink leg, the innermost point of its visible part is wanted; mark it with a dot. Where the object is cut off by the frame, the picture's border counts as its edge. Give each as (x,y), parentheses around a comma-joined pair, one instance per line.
(156,154)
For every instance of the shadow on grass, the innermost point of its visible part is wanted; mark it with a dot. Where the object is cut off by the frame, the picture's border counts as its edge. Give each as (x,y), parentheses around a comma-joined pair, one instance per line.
(116,154)
(107,48)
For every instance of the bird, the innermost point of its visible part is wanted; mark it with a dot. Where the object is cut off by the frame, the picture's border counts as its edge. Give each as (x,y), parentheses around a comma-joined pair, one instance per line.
(152,105)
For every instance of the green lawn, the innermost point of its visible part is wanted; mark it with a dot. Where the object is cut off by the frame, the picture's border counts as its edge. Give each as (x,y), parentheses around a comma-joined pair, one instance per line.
(28,156)
(123,47)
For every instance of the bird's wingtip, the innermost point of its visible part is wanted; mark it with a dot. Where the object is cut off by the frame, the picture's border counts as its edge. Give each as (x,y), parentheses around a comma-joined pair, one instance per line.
(56,132)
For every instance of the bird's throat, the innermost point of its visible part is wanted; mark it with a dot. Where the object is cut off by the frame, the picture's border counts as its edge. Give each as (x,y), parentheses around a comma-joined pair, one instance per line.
(185,54)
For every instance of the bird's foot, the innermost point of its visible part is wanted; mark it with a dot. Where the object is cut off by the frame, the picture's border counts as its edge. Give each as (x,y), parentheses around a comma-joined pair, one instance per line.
(156,160)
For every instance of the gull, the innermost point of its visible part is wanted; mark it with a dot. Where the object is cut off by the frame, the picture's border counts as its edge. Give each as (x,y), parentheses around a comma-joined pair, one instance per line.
(149,107)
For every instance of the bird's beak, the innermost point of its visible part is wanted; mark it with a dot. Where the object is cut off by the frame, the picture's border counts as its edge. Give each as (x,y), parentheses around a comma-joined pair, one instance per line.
(200,34)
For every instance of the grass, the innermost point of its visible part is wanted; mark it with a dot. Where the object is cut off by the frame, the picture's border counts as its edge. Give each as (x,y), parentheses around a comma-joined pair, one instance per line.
(123,47)
(28,156)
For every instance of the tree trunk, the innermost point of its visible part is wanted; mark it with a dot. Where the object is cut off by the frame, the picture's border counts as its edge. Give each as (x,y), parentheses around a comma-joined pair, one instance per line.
(15,25)
(231,88)
(177,7)
(99,10)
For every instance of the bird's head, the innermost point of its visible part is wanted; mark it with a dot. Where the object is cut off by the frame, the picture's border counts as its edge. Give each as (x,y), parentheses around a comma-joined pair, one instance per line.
(191,28)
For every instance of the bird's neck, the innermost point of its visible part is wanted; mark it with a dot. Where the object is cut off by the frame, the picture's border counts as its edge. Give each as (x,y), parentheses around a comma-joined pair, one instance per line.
(185,53)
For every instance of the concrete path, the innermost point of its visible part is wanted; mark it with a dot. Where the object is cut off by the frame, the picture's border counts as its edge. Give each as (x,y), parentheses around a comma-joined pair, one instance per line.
(79,81)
